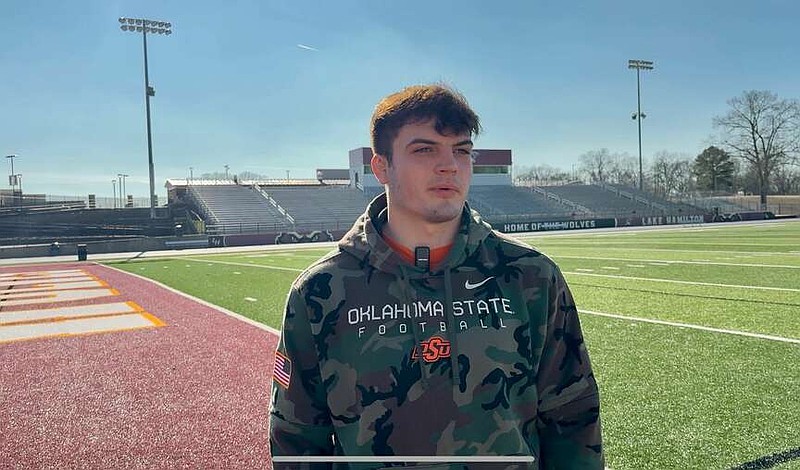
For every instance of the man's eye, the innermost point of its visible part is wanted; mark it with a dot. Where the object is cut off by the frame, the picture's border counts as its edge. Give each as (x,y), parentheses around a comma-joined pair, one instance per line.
(464,151)
(423,150)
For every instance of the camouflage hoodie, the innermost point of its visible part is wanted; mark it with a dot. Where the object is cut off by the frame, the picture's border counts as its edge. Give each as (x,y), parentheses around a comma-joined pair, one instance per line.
(482,357)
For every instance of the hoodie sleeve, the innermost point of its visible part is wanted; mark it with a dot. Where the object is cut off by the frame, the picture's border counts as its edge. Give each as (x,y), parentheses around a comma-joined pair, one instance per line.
(299,417)
(569,404)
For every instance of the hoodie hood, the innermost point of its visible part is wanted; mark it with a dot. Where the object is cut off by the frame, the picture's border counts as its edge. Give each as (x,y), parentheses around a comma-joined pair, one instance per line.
(365,242)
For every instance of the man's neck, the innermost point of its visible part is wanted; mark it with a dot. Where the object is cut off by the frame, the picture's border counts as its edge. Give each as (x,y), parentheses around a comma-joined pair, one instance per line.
(432,235)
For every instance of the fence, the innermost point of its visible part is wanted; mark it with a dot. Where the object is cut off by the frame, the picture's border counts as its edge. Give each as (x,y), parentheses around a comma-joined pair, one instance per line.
(777,204)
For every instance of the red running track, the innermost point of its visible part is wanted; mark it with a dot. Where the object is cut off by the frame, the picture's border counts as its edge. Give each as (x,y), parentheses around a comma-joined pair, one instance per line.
(191,394)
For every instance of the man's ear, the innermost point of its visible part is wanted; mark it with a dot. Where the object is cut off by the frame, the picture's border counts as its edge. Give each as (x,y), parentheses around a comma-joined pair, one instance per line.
(380,168)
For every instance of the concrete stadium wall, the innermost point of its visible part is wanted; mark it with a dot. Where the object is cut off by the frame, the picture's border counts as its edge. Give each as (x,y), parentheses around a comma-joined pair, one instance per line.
(106,246)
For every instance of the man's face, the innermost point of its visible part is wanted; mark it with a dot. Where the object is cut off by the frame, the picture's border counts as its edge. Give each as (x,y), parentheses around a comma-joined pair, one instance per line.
(428,178)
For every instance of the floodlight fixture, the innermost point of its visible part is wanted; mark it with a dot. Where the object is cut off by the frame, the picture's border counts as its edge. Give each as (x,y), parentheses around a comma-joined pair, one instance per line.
(640,64)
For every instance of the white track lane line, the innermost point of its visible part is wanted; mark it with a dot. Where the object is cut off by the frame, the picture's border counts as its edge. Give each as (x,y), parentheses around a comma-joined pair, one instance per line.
(51,287)
(22,316)
(36,274)
(78,326)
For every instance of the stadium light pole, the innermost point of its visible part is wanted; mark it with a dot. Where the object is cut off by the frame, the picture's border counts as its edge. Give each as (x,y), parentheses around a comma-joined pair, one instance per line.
(114,189)
(119,185)
(144,26)
(18,179)
(639,65)
(122,194)
(12,180)
(125,188)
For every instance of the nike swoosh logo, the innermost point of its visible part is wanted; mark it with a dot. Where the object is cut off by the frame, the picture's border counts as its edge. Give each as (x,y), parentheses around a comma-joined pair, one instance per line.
(474,286)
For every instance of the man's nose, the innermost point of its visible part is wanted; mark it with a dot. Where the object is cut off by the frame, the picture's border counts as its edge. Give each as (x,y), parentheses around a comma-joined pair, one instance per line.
(446,162)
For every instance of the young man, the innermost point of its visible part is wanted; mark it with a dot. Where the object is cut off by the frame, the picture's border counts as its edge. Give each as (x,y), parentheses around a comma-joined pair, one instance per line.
(426,333)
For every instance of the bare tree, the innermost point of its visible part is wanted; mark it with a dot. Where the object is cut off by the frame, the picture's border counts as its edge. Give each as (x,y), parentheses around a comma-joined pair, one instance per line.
(671,173)
(596,164)
(787,180)
(216,175)
(251,175)
(764,131)
(624,170)
(542,175)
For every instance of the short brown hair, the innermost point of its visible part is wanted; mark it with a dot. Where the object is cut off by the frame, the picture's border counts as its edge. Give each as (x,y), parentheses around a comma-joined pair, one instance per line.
(419,103)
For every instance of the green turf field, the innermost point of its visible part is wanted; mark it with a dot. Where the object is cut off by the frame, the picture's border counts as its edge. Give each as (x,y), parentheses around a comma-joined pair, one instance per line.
(694,333)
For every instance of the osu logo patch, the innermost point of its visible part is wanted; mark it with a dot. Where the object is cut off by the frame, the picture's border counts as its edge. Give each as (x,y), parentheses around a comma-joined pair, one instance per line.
(432,349)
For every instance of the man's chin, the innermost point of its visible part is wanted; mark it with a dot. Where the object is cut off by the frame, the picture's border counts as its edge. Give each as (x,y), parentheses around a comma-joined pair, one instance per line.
(444,214)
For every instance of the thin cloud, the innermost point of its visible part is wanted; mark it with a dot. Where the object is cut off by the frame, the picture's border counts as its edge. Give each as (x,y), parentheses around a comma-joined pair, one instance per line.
(308,48)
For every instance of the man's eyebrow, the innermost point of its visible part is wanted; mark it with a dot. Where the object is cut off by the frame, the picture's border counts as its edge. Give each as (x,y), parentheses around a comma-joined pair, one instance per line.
(420,140)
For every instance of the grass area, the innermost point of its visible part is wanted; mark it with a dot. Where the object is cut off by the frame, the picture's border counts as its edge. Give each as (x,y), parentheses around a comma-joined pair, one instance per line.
(672,397)
(256,293)
(678,398)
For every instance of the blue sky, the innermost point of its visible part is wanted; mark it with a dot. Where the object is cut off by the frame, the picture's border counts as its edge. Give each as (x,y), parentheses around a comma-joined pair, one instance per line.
(548,78)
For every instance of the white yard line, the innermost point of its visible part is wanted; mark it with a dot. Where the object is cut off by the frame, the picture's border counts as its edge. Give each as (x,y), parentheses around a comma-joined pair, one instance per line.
(671,250)
(713,263)
(286,254)
(692,283)
(693,327)
(627,243)
(248,265)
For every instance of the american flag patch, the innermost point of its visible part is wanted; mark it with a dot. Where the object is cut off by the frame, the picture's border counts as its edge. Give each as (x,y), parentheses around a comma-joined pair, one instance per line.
(283,369)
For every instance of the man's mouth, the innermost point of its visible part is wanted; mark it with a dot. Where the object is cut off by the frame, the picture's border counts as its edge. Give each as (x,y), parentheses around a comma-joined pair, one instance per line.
(445,190)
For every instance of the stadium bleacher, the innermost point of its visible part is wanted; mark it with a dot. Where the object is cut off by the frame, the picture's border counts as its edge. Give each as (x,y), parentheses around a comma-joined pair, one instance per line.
(318,207)
(656,202)
(305,206)
(232,208)
(496,201)
(610,201)
(597,199)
